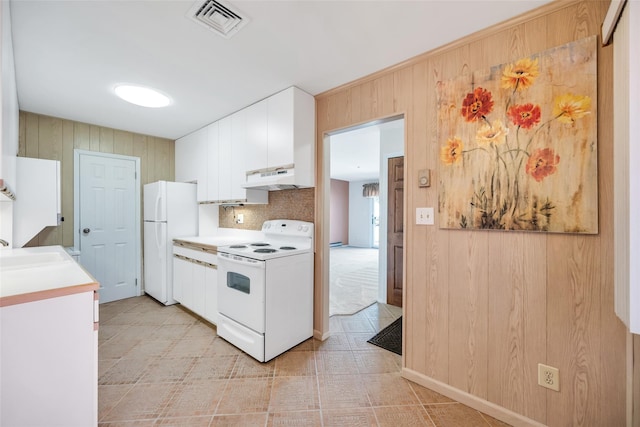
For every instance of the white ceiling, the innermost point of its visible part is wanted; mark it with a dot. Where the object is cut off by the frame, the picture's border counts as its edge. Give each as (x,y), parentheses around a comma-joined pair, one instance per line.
(355,154)
(70,54)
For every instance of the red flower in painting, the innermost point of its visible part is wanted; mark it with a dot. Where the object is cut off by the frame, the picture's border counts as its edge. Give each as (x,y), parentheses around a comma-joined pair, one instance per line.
(526,115)
(476,105)
(542,163)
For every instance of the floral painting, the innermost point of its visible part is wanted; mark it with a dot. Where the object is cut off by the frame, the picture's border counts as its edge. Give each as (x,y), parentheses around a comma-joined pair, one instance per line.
(518,144)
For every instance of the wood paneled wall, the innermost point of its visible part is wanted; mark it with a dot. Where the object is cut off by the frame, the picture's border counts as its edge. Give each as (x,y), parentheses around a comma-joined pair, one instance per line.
(483,308)
(46,137)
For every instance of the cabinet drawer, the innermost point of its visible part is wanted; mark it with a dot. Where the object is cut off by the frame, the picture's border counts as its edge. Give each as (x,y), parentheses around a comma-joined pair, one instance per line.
(201,255)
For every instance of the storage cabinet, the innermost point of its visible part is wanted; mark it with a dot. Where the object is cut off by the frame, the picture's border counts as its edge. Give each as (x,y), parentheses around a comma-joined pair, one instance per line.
(195,280)
(213,153)
(281,135)
(191,161)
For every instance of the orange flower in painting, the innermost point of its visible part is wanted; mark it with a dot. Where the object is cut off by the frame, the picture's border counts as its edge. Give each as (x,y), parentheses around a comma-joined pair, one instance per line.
(494,132)
(569,107)
(542,163)
(476,105)
(452,152)
(526,115)
(520,75)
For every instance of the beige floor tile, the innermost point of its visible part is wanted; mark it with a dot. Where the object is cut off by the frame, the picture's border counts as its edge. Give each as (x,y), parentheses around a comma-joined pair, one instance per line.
(427,396)
(240,420)
(137,423)
(336,362)
(296,363)
(220,346)
(204,421)
(294,394)
(298,419)
(245,396)
(170,332)
(104,365)
(342,391)
(304,346)
(109,396)
(363,324)
(493,422)
(389,389)
(195,399)
(358,341)
(180,317)
(335,325)
(354,417)
(191,347)
(248,367)
(455,414)
(376,361)
(381,323)
(405,416)
(150,348)
(125,371)
(201,329)
(142,402)
(116,348)
(165,370)
(212,368)
(336,342)
(106,331)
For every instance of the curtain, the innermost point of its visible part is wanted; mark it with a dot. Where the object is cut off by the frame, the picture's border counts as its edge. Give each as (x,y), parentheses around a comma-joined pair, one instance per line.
(371,190)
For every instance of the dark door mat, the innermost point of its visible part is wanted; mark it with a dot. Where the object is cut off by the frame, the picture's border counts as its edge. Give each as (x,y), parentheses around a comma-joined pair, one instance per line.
(390,338)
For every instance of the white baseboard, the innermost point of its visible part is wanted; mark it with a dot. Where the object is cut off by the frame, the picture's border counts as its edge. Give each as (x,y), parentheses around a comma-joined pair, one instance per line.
(319,336)
(470,400)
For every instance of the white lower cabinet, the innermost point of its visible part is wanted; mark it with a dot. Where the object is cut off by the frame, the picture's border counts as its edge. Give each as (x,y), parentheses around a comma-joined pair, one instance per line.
(49,362)
(195,281)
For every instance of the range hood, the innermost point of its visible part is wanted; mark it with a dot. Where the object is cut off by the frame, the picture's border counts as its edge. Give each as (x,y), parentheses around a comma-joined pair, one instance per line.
(272,180)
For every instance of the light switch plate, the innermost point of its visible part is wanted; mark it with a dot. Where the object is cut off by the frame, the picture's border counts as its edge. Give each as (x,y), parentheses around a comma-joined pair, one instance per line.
(424,216)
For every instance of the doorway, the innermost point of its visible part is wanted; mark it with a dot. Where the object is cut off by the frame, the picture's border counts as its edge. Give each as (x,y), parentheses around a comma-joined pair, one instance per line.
(358,157)
(107,217)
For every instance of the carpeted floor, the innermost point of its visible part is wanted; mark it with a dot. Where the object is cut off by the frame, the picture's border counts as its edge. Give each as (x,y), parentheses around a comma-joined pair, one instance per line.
(353,279)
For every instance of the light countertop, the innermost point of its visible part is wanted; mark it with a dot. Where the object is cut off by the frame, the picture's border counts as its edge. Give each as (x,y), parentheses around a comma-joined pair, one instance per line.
(30,274)
(225,237)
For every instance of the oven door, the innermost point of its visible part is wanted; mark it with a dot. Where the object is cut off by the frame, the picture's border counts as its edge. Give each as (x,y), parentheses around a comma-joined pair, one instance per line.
(241,290)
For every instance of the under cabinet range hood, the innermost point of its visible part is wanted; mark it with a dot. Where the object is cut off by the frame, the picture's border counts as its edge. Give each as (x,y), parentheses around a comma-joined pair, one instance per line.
(272,180)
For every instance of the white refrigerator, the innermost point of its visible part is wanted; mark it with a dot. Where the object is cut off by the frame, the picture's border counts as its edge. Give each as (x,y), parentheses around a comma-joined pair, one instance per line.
(170,211)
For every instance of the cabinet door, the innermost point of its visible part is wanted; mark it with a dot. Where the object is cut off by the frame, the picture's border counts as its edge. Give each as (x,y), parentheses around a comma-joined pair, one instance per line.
(224,159)
(238,141)
(213,153)
(280,129)
(181,276)
(255,151)
(191,161)
(198,296)
(211,295)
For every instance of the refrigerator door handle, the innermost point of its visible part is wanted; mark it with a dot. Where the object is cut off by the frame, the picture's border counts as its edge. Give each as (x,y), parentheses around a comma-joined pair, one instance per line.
(158,238)
(157,208)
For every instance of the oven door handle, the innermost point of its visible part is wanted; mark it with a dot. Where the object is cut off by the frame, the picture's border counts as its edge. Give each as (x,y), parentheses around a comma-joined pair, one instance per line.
(222,259)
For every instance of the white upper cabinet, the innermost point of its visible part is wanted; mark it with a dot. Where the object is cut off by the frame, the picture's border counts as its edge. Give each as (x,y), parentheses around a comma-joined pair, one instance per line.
(224,159)
(281,136)
(280,124)
(191,161)
(256,142)
(238,142)
(213,153)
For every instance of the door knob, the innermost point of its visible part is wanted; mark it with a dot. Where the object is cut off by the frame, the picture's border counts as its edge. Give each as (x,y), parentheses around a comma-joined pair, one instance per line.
(86,230)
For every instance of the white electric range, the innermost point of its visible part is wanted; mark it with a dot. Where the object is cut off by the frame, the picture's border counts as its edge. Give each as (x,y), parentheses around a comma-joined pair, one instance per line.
(265,290)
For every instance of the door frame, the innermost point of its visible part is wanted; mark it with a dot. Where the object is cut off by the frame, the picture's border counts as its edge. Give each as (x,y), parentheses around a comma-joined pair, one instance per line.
(76,204)
(323,217)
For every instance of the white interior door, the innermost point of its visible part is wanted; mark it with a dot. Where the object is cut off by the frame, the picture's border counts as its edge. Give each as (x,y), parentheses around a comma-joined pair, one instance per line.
(108,237)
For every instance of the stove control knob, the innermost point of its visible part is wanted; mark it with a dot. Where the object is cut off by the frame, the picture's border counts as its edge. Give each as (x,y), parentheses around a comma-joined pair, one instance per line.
(305,228)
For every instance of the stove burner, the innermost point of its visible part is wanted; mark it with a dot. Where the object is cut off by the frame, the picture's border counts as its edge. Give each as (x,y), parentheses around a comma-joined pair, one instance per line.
(265,251)
(237,246)
(287,248)
(260,244)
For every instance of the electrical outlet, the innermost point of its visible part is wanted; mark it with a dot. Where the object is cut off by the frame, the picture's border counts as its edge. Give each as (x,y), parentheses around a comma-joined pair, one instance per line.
(240,219)
(548,377)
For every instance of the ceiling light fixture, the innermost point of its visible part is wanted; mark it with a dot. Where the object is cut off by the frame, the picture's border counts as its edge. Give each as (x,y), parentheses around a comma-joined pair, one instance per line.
(142,96)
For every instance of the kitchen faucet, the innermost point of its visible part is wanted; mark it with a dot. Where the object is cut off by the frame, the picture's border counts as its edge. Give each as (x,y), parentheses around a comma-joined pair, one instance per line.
(4,242)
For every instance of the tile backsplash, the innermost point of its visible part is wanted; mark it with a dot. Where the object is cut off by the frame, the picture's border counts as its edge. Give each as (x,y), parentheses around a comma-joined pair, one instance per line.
(296,204)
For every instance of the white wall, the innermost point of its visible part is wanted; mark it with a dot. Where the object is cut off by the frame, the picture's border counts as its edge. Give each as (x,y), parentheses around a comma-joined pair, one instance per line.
(8,121)
(360,212)
(391,145)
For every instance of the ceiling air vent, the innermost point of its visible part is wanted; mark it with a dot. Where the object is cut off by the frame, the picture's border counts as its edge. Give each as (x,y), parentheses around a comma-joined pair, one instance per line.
(218,17)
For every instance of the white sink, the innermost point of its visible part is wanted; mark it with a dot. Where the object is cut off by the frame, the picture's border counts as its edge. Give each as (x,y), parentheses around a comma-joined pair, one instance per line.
(13,261)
